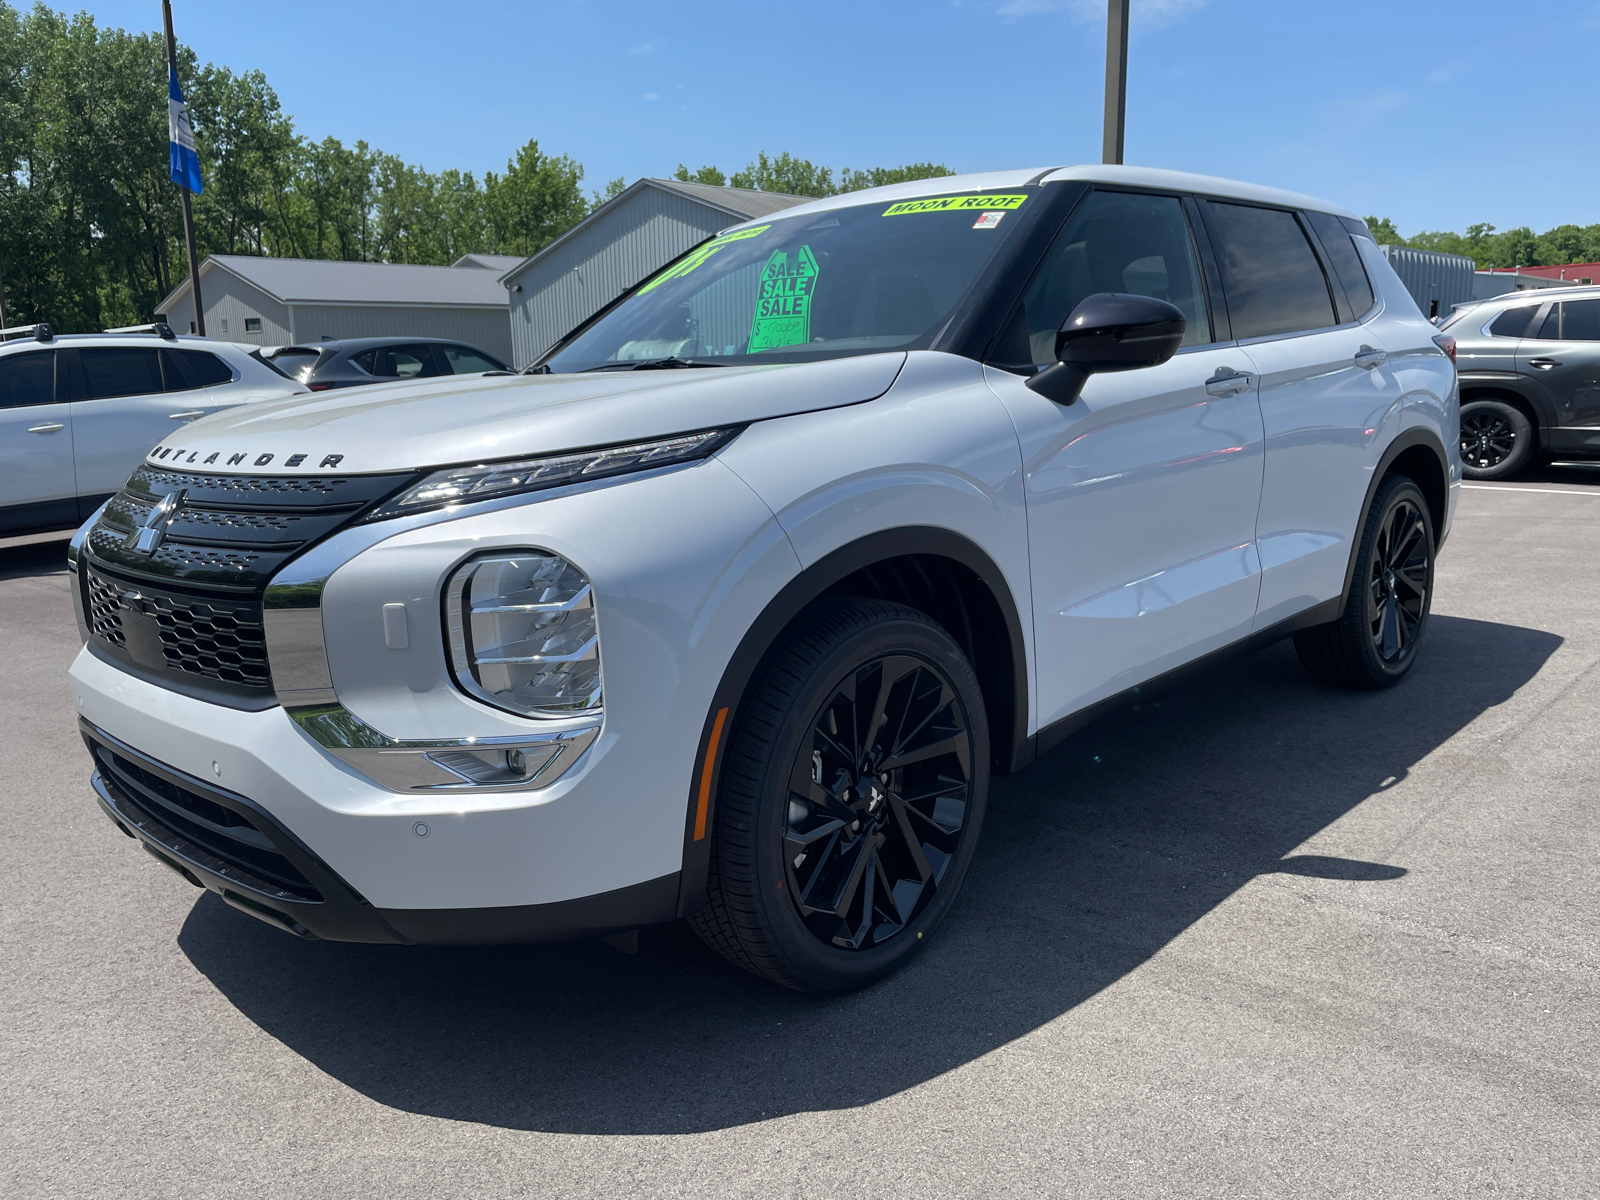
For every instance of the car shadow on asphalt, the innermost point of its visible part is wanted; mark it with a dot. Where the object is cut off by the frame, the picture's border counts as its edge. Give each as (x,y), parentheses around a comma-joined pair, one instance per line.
(1092,860)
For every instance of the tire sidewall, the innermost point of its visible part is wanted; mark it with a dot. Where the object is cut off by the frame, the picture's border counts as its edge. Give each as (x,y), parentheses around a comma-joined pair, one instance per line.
(1521,454)
(825,967)
(1402,488)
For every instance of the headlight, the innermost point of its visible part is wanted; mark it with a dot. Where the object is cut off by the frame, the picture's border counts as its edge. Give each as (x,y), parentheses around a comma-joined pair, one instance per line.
(522,633)
(464,485)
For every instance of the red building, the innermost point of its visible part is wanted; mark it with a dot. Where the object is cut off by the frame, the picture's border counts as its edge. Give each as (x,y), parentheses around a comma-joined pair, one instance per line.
(1573,272)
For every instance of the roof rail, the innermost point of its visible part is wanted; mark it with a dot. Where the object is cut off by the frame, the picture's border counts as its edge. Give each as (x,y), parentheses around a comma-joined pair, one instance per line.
(160,328)
(41,332)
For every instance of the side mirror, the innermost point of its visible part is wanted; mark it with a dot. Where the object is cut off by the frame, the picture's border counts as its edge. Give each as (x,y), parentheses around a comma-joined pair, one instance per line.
(1110,331)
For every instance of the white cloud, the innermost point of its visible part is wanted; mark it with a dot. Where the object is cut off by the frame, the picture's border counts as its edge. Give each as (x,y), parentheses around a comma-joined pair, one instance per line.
(1444,74)
(1147,14)
(643,48)
(651,96)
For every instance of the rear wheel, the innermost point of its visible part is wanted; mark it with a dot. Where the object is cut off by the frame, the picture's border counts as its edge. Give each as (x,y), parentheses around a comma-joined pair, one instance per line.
(1497,439)
(1376,639)
(851,798)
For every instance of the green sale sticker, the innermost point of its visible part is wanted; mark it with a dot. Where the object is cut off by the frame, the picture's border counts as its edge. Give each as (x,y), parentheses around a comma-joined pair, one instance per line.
(697,259)
(783,311)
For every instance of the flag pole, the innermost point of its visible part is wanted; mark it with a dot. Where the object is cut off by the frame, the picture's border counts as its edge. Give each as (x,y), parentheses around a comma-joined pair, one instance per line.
(1116,80)
(188,207)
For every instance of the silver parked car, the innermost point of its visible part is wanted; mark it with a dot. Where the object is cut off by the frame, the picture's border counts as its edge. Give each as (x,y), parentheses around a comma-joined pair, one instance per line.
(1530,379)
(79,411)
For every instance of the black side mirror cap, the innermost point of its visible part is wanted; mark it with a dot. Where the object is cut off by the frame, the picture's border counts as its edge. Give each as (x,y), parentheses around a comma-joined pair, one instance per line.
(1110,331)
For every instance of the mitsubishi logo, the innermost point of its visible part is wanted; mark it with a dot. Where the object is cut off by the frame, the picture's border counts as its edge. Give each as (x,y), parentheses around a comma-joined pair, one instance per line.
(152,531)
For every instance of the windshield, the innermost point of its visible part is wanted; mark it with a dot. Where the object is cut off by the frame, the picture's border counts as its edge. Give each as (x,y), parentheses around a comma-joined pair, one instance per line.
(855,280)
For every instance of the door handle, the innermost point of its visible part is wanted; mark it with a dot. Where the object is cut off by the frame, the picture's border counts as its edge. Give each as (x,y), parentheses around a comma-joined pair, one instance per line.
(47,427)
(188,414)
(1544,364)
(1369,358)
(1228,382)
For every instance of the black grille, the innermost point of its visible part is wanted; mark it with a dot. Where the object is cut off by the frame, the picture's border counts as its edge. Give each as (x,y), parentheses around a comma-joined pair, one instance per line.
(196,828)
(188,613)
(218,638)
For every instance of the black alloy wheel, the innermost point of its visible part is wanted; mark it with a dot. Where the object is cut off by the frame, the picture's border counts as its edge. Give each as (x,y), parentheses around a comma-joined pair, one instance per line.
(877,802)
(1497,439)
(1375,640)
(850,799)
(1399,581)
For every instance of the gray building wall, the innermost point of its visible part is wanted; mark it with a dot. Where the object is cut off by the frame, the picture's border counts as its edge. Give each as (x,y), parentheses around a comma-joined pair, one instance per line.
(1487,284)
(1437,282)
(230,299)
(616,250)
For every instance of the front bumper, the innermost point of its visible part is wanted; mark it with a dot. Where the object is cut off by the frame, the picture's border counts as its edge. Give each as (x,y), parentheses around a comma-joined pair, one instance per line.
(225,843)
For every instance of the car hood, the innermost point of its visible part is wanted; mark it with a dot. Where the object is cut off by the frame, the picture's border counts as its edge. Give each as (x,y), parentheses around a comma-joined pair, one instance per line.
(465,420)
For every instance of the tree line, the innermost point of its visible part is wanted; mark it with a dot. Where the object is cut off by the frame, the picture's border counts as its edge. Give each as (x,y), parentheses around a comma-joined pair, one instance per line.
(91,228)
(1489,247)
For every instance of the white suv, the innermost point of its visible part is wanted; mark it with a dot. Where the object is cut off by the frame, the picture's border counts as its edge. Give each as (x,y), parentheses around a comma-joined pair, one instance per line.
(78,411)
(730,609)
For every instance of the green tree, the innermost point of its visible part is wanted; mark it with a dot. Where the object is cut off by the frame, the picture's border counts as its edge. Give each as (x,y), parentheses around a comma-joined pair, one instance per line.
(853,181)
(535,201)
(708,175)
(1384,232)
(787,174)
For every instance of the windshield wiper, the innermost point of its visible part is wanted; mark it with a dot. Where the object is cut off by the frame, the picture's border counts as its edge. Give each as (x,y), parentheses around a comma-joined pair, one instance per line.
(653,364)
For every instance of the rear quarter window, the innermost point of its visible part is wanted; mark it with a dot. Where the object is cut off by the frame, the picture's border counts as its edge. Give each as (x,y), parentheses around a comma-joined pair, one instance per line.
(1514,321)
(1339,245)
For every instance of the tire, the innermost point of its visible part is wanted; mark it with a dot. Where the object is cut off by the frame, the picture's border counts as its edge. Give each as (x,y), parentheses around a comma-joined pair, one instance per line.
(1497,440)
(804,808)
(1375,641)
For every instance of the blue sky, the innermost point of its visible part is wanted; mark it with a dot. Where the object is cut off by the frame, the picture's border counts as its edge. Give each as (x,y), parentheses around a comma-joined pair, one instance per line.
(1419,111)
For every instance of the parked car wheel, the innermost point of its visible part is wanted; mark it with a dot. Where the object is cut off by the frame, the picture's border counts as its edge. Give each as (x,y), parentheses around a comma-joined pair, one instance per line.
(851,798)
(1376,640)
(1497,439)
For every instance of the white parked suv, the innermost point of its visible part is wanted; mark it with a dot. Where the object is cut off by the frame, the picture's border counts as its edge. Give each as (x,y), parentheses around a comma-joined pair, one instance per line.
(731,608)
(78,411)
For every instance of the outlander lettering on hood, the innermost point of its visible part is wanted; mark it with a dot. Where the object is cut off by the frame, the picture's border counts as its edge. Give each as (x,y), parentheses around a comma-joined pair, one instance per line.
(173,455)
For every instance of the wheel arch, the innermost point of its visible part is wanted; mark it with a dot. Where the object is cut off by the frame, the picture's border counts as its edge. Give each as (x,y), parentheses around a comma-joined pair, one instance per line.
(937,571)
(1419,455)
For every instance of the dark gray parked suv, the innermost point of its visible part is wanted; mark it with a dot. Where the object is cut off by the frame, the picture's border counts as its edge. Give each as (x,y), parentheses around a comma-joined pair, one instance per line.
(356,361)
(1529,365)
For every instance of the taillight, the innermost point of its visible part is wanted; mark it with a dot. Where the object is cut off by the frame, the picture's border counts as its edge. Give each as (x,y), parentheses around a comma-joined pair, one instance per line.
(322,387)
(1446,343)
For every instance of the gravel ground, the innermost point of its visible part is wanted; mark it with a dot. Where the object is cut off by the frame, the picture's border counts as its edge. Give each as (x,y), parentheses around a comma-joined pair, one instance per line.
(1252,938)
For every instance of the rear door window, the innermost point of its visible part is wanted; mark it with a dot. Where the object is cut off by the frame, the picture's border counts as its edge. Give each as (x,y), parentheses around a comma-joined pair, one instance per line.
(463,360)
(1273,280)
(1338,242)
(117,371)
(28,379)
(1580,320)
(405,362)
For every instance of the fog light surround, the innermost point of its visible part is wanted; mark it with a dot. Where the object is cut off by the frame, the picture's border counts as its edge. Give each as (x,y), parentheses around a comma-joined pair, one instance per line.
(522,634)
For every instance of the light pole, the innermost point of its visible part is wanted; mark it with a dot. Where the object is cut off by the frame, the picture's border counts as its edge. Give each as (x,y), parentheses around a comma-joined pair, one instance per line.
(1116,80)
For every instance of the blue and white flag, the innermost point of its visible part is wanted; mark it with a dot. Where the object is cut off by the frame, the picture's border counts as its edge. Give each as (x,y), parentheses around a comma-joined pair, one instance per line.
(185,162)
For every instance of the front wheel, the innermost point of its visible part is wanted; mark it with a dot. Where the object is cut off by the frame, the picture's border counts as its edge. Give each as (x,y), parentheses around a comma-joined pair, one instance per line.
(851,798)
(1375,641)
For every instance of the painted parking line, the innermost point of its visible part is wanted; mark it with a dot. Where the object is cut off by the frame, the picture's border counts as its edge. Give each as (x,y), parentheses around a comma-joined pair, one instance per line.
(1495,487)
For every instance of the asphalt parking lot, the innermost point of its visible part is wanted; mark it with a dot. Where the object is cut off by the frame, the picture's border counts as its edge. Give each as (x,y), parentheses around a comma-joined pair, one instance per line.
(1252,938)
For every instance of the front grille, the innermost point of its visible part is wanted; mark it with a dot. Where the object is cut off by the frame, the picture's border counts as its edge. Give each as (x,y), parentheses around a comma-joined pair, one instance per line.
(217,638)
(189,613)
(197,828)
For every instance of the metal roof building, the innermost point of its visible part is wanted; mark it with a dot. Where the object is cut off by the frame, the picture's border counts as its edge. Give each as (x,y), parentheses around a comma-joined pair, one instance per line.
(1437,282)
(279,301)
(621,244)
